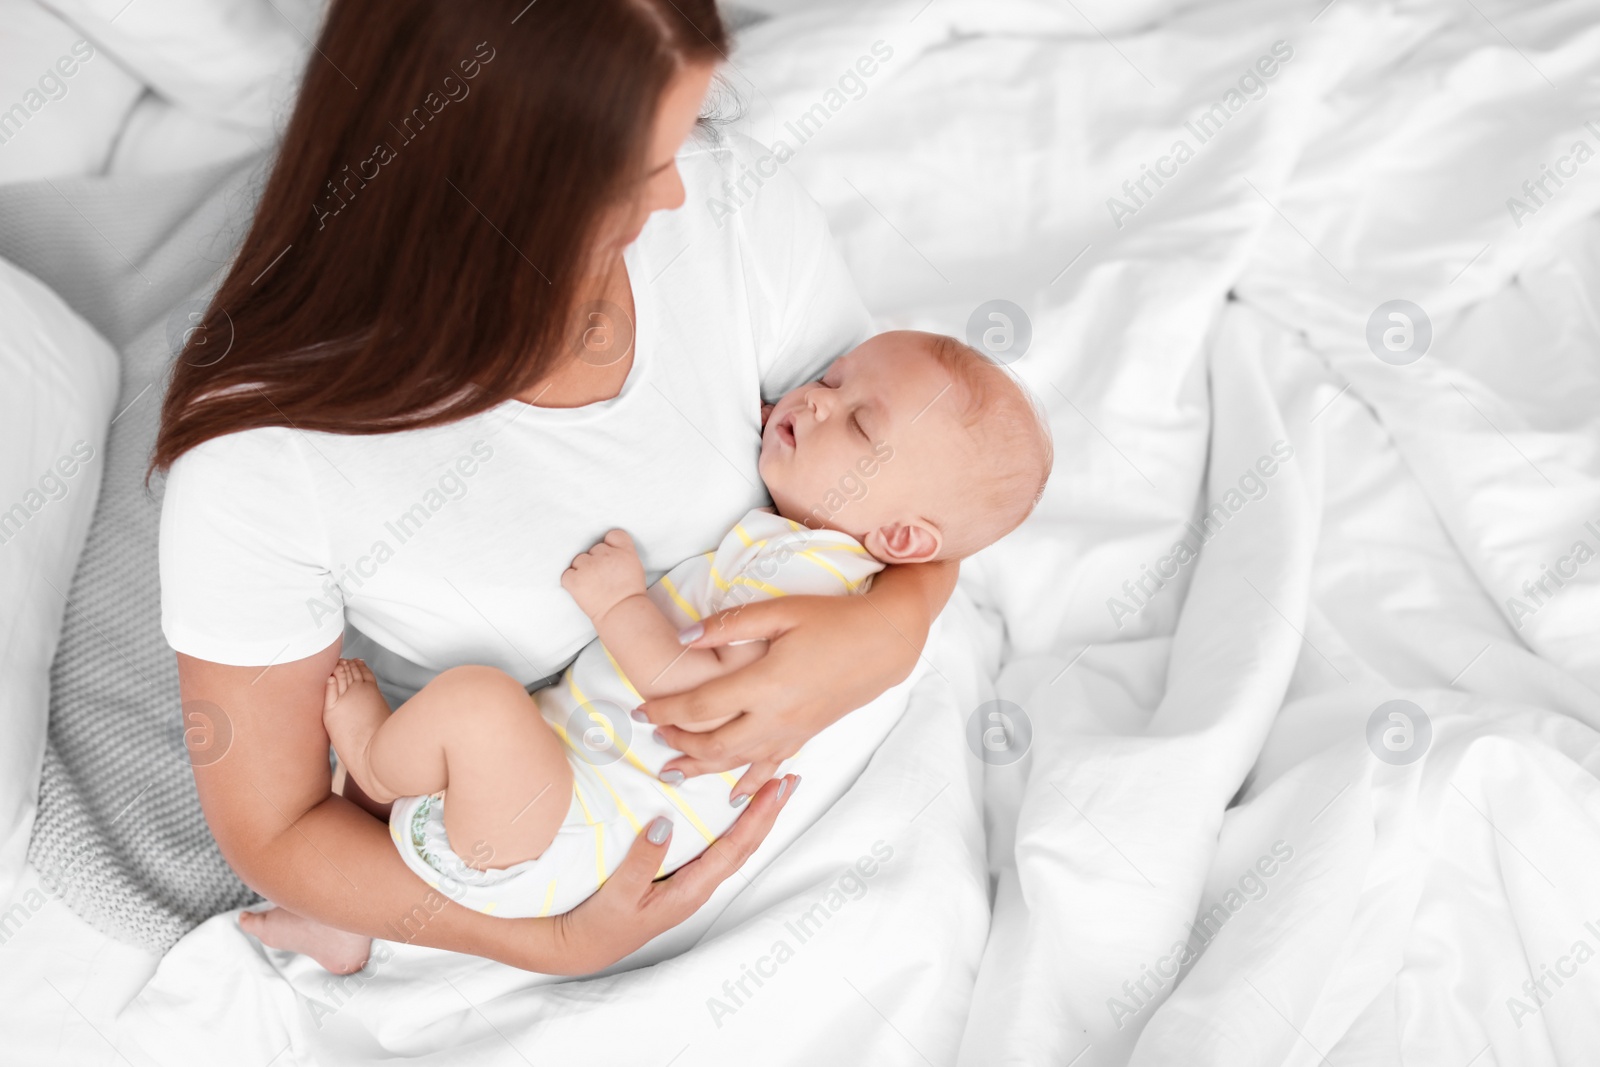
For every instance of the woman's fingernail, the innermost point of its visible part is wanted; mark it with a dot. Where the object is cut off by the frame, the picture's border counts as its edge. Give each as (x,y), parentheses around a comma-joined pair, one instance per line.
(739,801)
(639,715)
(660,829)
(783,787)
(690,634)
(796,787)
(672,777)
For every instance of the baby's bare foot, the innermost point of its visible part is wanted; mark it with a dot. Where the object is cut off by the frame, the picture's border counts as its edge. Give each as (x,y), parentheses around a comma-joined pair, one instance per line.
(337,950)
(352,711)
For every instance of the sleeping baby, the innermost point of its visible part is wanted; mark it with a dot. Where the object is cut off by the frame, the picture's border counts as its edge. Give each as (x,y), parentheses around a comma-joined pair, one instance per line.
(912,447)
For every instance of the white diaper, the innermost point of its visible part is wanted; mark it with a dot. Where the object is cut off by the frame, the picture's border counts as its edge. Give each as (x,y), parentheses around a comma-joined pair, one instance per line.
(611,804)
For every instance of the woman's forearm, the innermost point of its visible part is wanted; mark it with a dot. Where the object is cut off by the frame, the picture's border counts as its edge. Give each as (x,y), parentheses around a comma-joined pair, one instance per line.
(910,597)
(268,803)
(336,864)
(266,797)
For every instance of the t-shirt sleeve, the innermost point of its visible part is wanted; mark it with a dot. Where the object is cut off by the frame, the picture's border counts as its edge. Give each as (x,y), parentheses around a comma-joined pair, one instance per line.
(805,307)
(245,578)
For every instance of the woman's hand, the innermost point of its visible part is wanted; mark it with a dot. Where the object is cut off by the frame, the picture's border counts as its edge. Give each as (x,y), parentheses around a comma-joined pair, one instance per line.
(632,906)
(826,656)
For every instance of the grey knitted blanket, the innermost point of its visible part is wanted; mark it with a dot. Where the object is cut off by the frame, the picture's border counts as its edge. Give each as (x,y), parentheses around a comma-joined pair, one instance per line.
(119,824)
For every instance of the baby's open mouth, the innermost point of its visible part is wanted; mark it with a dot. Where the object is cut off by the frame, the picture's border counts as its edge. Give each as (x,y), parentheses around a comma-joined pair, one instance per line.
(784,428)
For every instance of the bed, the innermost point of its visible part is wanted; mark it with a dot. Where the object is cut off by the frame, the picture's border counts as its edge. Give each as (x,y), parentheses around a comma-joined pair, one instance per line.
(1317,786)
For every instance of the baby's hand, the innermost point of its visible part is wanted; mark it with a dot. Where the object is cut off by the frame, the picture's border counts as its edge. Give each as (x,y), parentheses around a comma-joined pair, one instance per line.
(606,575)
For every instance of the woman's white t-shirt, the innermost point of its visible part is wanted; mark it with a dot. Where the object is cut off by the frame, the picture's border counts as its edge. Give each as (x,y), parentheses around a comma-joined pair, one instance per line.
(446,545)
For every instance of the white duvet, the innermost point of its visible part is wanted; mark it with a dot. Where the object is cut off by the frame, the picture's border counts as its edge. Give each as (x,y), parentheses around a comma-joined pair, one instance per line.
(1384,527)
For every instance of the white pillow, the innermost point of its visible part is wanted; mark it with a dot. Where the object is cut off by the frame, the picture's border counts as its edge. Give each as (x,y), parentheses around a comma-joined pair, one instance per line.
(237,61)
(60,384)
(62,100)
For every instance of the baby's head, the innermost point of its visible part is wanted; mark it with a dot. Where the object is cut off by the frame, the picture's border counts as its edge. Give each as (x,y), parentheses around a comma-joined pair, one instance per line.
(913,443)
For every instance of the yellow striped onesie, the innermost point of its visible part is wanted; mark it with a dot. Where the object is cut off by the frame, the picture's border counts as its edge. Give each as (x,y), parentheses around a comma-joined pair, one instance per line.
(615,792)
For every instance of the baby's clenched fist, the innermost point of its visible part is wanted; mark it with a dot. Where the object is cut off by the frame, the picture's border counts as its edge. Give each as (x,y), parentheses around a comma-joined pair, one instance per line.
(606,575)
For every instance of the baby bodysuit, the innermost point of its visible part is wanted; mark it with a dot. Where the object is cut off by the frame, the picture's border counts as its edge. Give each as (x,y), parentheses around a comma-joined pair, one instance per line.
(615,761)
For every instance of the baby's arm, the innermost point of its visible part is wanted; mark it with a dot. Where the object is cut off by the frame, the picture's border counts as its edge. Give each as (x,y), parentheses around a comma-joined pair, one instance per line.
(608,583)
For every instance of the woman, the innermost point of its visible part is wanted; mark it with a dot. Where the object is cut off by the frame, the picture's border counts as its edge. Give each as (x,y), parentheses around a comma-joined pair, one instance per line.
(464,347)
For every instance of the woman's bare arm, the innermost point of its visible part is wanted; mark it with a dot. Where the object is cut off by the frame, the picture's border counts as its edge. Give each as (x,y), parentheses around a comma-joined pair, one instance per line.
(826,656)
(266,798)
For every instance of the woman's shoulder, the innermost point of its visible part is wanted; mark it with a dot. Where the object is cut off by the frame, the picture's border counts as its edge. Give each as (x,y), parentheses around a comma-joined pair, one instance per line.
(715,148)
(240,463)
(258,444)
(736,185)
(744,203)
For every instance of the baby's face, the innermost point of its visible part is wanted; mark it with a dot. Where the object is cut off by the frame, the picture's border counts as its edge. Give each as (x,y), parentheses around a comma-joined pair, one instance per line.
(862,450)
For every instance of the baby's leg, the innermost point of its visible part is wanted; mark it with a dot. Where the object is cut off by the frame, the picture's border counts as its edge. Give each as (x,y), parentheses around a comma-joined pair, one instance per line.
(472,730)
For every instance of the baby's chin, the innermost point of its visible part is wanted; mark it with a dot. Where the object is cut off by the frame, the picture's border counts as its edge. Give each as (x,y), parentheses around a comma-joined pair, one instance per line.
(767,467)
(777,479)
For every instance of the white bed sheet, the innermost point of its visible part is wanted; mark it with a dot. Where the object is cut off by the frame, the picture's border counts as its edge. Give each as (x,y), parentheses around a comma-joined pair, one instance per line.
(62,981)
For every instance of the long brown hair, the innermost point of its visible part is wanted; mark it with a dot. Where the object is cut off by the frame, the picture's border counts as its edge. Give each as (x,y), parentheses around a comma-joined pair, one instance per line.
(415,253)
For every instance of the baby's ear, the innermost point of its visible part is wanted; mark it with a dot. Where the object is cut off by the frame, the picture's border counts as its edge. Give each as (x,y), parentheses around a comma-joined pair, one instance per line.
(904,542)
